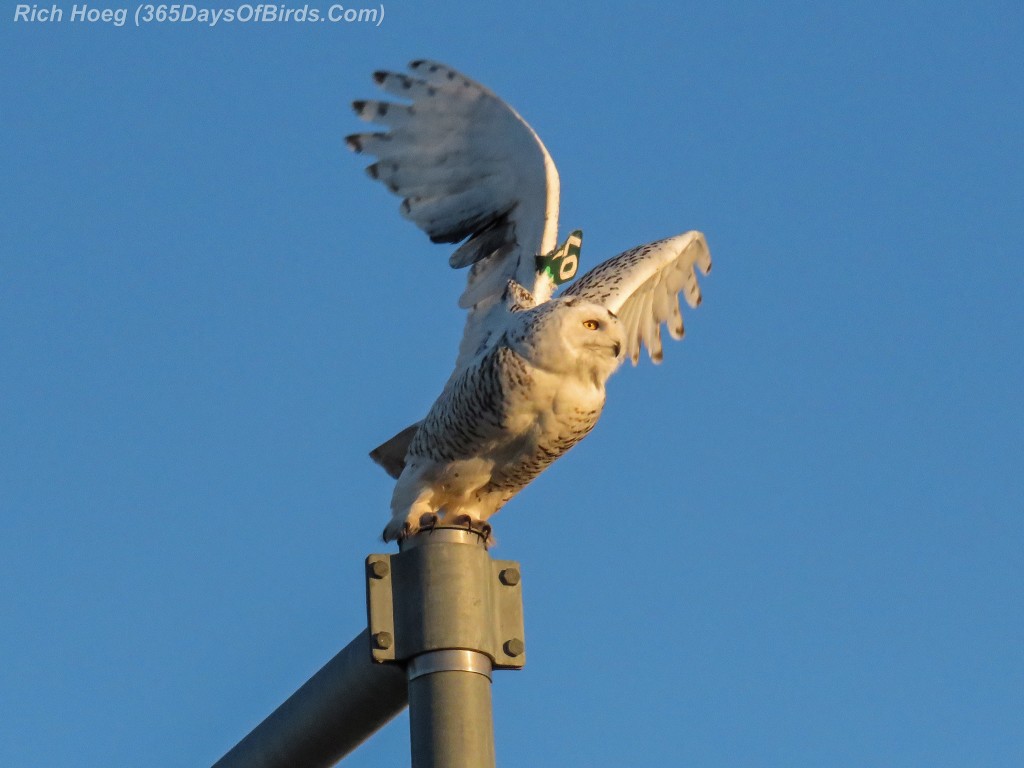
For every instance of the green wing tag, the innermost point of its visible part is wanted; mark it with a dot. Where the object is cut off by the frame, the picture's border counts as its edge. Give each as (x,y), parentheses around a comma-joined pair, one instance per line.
(562,263)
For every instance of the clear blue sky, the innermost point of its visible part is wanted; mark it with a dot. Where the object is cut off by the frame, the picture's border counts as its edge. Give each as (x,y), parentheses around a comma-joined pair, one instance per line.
(798,542)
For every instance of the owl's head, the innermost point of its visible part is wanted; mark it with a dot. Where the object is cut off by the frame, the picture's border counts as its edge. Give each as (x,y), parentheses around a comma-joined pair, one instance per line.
(570,335)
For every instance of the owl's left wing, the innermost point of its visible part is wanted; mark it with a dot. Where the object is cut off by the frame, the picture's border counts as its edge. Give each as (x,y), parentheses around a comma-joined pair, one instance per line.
(642,287)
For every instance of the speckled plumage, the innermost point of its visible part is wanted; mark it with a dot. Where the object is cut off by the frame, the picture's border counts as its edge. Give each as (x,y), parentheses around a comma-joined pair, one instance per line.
(522,403)
(529,380)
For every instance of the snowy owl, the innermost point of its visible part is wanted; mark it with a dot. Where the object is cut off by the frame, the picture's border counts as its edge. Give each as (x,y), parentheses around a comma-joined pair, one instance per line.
(529,379)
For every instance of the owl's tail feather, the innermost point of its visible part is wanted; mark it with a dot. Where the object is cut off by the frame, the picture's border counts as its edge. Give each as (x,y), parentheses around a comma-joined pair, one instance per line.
(391,454)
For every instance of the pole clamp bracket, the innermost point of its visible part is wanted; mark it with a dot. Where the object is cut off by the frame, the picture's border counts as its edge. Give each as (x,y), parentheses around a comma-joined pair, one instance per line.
(443,592)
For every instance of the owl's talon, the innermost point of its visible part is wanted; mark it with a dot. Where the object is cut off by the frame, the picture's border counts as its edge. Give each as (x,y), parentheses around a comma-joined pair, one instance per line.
(393,532)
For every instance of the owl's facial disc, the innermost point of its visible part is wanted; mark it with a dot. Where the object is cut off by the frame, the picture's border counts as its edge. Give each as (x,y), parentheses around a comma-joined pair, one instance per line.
(598,339)
(602,332)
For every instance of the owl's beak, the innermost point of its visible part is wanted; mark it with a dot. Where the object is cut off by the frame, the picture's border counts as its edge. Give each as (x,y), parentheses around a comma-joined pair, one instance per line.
(617,348)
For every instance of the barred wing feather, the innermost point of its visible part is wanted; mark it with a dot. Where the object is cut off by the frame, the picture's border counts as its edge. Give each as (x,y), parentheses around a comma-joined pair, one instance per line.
(468,168)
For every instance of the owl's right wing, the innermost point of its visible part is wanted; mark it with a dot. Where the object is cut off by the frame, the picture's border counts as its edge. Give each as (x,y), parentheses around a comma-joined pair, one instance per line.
(468,168)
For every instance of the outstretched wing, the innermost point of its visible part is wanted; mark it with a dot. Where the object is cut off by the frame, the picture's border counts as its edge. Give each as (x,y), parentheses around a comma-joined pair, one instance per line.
(642,287)
(468,167)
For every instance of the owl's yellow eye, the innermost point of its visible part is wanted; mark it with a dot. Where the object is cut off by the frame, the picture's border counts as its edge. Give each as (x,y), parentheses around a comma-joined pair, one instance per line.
(591,325)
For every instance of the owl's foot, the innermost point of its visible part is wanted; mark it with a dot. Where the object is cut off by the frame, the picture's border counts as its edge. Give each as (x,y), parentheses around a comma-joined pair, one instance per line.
(396,530)
(481,527)
(403,527)
(399,529)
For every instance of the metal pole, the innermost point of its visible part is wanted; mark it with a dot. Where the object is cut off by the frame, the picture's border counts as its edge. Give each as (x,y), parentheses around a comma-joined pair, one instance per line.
(342,705)
(450,720)
(441,616)
(445,610)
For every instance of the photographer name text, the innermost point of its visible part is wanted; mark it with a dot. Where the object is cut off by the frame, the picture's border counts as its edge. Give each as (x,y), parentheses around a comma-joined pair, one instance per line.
(188,13)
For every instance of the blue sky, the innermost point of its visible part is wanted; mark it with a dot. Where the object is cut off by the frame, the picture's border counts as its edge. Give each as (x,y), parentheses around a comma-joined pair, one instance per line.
(797,542)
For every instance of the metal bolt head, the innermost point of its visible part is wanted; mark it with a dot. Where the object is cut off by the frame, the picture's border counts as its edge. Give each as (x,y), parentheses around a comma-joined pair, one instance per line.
(379,568)
(383,640)
(514,647)
(509,576)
